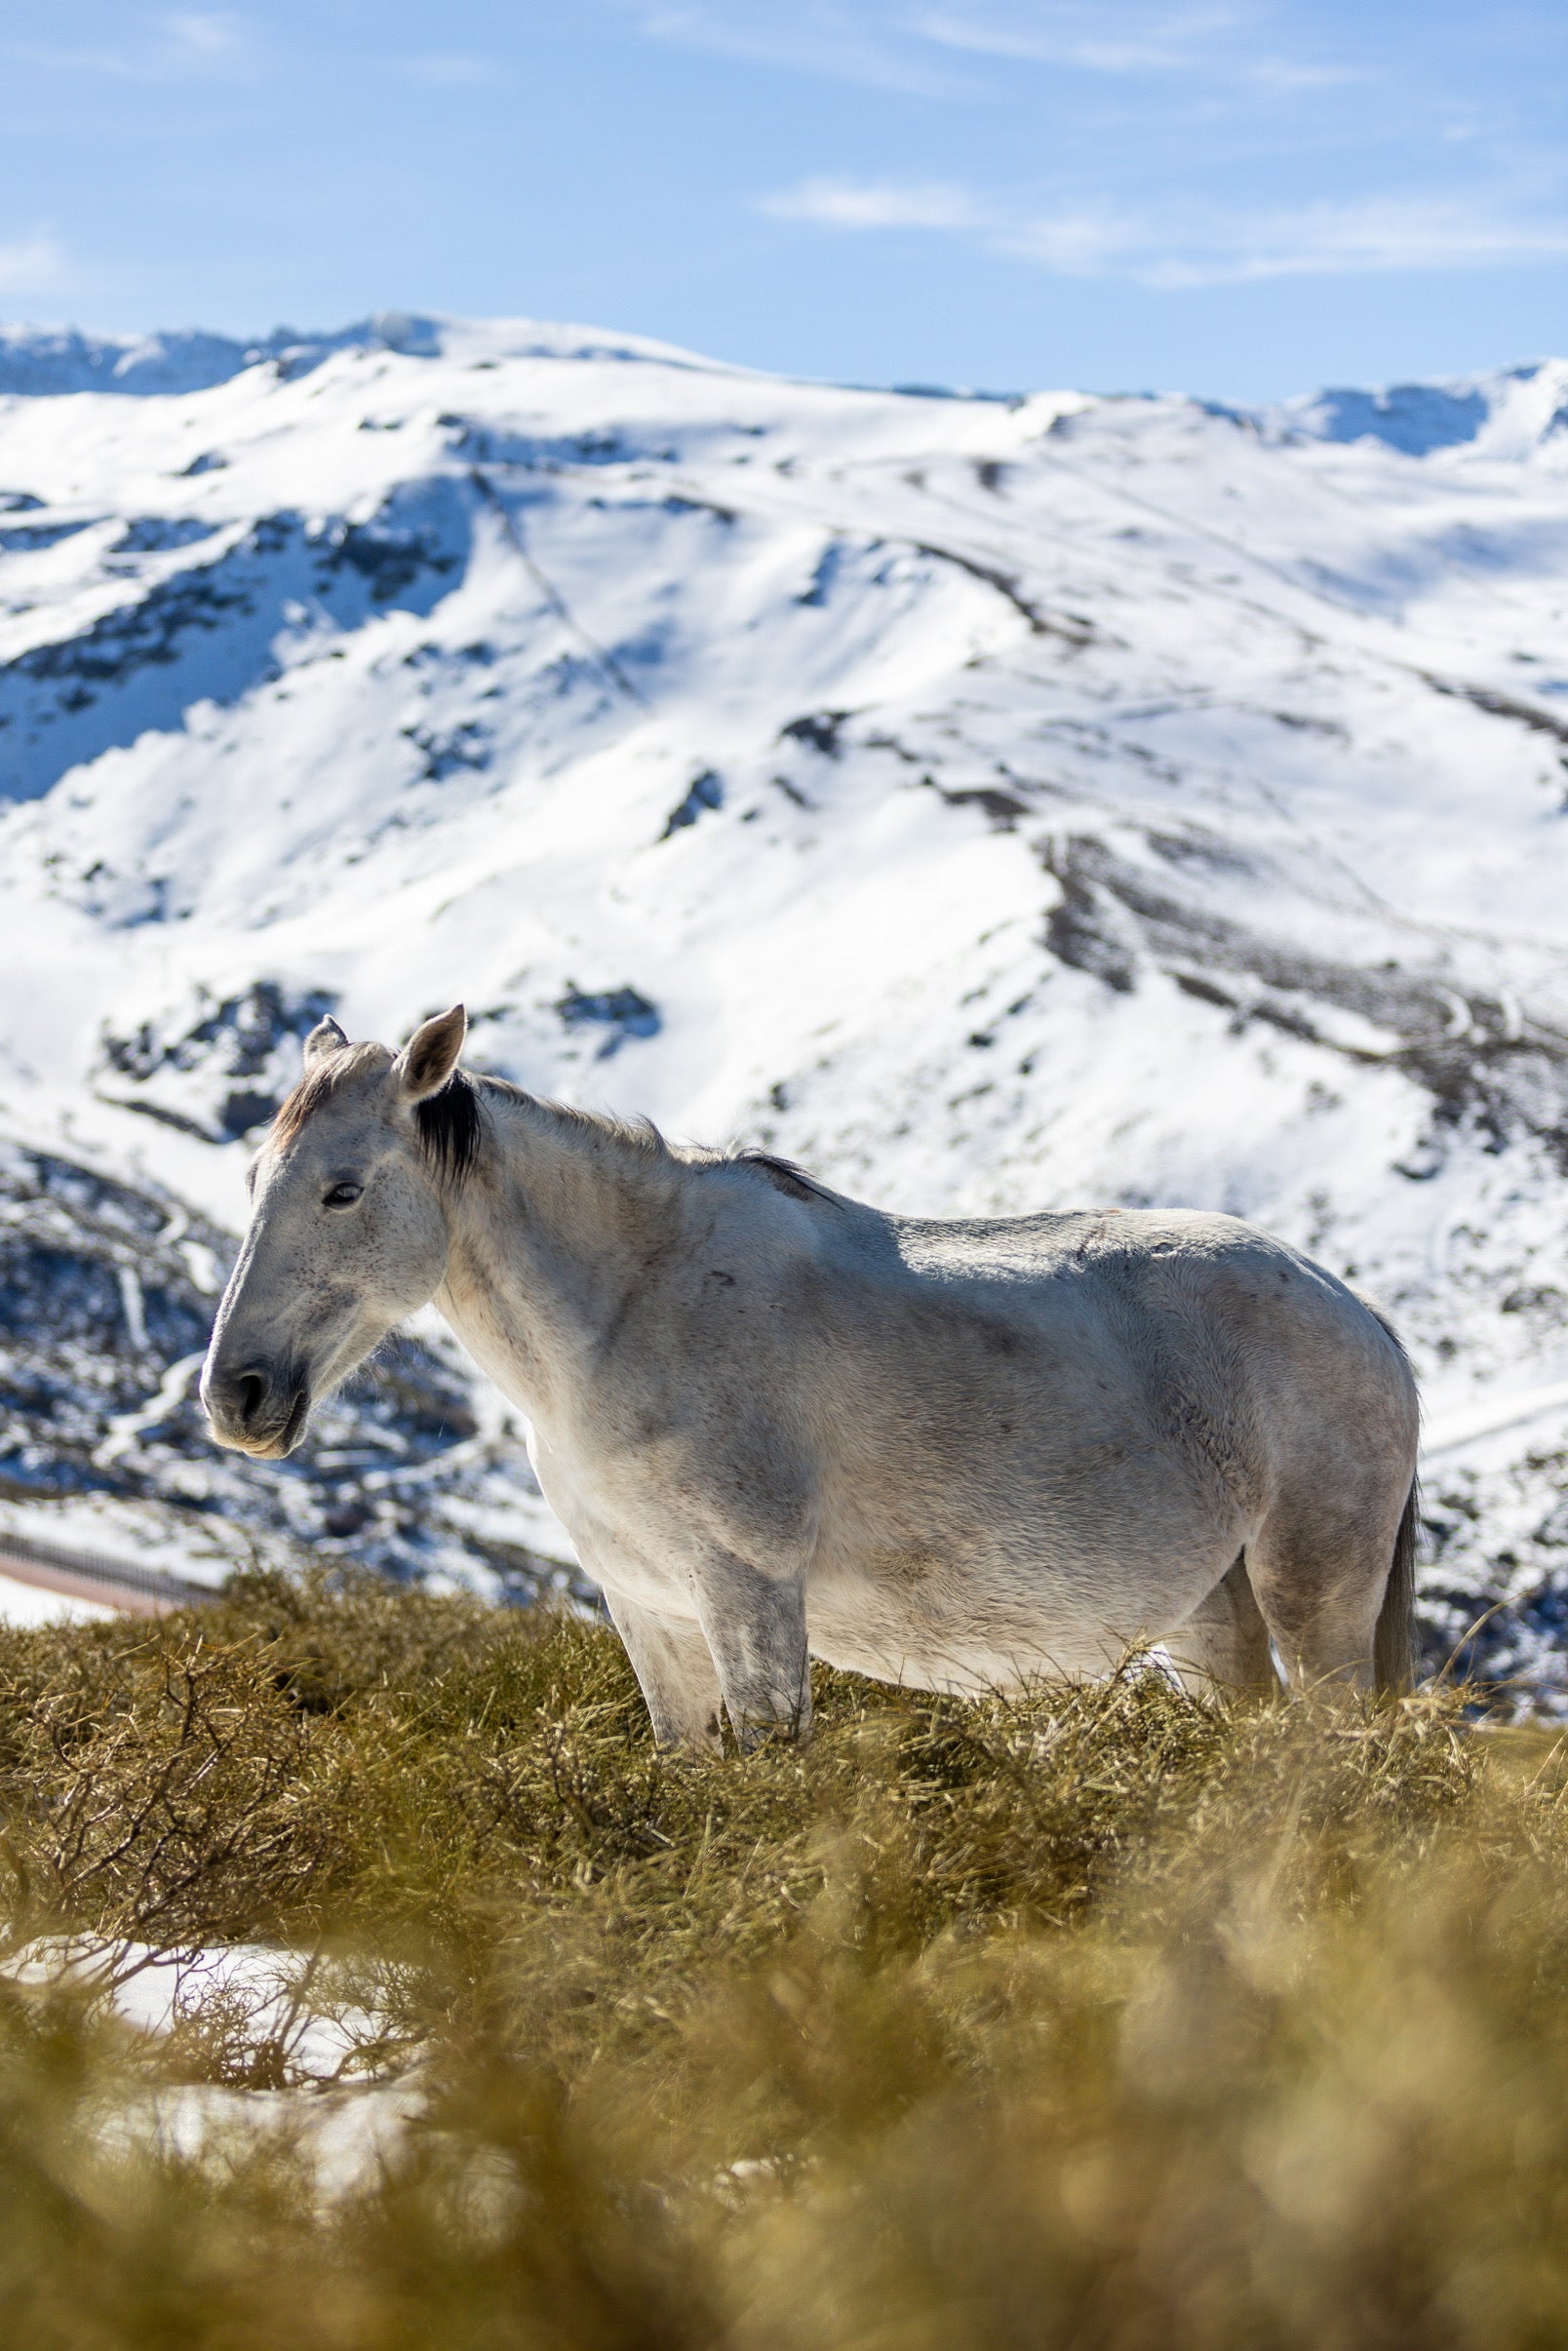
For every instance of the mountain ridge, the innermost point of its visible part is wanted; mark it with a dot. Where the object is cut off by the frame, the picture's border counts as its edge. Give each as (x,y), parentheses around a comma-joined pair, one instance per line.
(1416,416)
(996,805)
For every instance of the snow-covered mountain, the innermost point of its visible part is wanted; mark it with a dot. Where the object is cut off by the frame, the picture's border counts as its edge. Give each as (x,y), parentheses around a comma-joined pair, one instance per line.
(995,803)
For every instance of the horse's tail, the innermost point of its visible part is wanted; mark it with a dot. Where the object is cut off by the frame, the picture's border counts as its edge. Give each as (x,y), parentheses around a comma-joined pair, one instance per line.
(1393,1647)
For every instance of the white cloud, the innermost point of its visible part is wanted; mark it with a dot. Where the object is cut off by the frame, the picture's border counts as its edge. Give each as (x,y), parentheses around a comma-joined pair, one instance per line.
(1355,237)
(1146,41)
(1185,245)
(32,265)
(184,43)
(844,40)
(447,70)
(942,48)
(198,34)
(877,204)
(1288,75)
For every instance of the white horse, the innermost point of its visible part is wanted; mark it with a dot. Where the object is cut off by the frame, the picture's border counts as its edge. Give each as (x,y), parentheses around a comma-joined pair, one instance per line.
(780,1425)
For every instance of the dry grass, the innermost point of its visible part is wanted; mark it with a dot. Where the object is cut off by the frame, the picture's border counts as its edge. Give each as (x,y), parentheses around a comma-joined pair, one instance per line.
(1103,2017)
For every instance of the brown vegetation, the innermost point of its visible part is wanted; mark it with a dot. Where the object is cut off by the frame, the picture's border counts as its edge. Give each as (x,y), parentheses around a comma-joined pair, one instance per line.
(1098,2019)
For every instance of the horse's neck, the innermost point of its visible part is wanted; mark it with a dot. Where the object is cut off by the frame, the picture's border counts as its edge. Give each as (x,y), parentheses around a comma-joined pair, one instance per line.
(556,1225)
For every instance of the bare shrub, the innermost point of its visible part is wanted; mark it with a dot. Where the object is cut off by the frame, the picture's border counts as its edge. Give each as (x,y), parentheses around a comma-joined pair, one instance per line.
(1093,2020)
(165,1798)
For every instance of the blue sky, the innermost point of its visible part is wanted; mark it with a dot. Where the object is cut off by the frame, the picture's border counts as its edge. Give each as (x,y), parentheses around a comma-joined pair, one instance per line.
(1243,199)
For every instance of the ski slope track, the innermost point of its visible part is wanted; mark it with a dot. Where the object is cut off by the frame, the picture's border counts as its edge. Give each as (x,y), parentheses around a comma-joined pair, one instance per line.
(994,805)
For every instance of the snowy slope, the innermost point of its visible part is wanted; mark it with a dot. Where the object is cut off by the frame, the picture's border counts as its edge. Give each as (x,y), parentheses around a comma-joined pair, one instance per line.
(994,804)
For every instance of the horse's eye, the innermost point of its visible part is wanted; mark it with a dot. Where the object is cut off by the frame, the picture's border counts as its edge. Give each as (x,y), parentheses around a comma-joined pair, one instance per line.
(342,1195)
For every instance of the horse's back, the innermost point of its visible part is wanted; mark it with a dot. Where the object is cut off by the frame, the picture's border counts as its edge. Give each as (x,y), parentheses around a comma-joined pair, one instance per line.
(1047,1433)
(1189,1353)
(1150,1280)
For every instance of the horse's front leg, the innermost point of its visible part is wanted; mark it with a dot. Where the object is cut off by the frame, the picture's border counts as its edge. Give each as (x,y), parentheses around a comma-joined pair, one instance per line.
(755,1626)
(674,1673)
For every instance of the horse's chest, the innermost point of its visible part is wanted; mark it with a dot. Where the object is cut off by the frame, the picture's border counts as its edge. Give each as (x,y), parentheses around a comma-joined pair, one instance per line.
(618,1523)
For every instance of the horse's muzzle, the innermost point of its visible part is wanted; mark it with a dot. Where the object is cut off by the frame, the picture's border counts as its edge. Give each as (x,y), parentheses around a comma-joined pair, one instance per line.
(257,1409)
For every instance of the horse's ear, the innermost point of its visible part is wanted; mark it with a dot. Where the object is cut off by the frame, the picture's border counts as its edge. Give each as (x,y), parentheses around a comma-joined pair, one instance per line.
(430,1056)
(324,1039)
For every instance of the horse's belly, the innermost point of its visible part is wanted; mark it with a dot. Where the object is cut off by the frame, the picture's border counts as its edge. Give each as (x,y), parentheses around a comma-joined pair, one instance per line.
(992,1621)
(966,1669)
(925,1650)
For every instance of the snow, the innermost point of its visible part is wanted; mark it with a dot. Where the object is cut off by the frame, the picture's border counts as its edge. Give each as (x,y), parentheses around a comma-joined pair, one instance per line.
(332,2104)
(994,805)
(272,1990)
(112,1530)
(347,2137)
(28,1604)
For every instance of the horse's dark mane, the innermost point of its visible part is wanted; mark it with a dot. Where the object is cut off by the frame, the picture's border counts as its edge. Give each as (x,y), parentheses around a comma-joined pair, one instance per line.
(449,1124)
(784,1175)
(452,1124)
(453,1135)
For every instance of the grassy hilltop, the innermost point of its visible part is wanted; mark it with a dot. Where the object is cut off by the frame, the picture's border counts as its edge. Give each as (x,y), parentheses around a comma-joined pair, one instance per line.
(1104,2017)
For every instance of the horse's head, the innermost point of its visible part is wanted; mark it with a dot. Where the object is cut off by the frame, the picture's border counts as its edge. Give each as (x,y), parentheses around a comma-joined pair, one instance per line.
(347,1233)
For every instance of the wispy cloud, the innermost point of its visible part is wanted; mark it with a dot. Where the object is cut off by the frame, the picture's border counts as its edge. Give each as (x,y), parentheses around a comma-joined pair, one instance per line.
(201,35)
(878,204)
(1110,40)
(944,48)
(447,70)
(182,44)
(1209,143)
(31,264)
(1187,243)
(843,40)
(1367,234)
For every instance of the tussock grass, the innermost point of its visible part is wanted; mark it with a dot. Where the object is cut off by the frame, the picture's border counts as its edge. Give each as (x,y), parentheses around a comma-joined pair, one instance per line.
(1102,2016)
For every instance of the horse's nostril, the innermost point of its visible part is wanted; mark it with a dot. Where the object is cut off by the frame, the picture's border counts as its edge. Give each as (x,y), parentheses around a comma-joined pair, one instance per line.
(249,1395)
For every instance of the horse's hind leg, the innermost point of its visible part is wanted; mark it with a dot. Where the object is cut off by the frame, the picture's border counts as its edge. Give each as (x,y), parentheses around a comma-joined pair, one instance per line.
(1319,1567)
(1224,1644)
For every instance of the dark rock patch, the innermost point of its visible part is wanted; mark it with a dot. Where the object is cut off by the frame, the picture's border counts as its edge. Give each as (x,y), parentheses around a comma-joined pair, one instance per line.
(706,792)
(1485,1062)
(103,1287)
(225,1074)
(818,730)
(625,1012)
